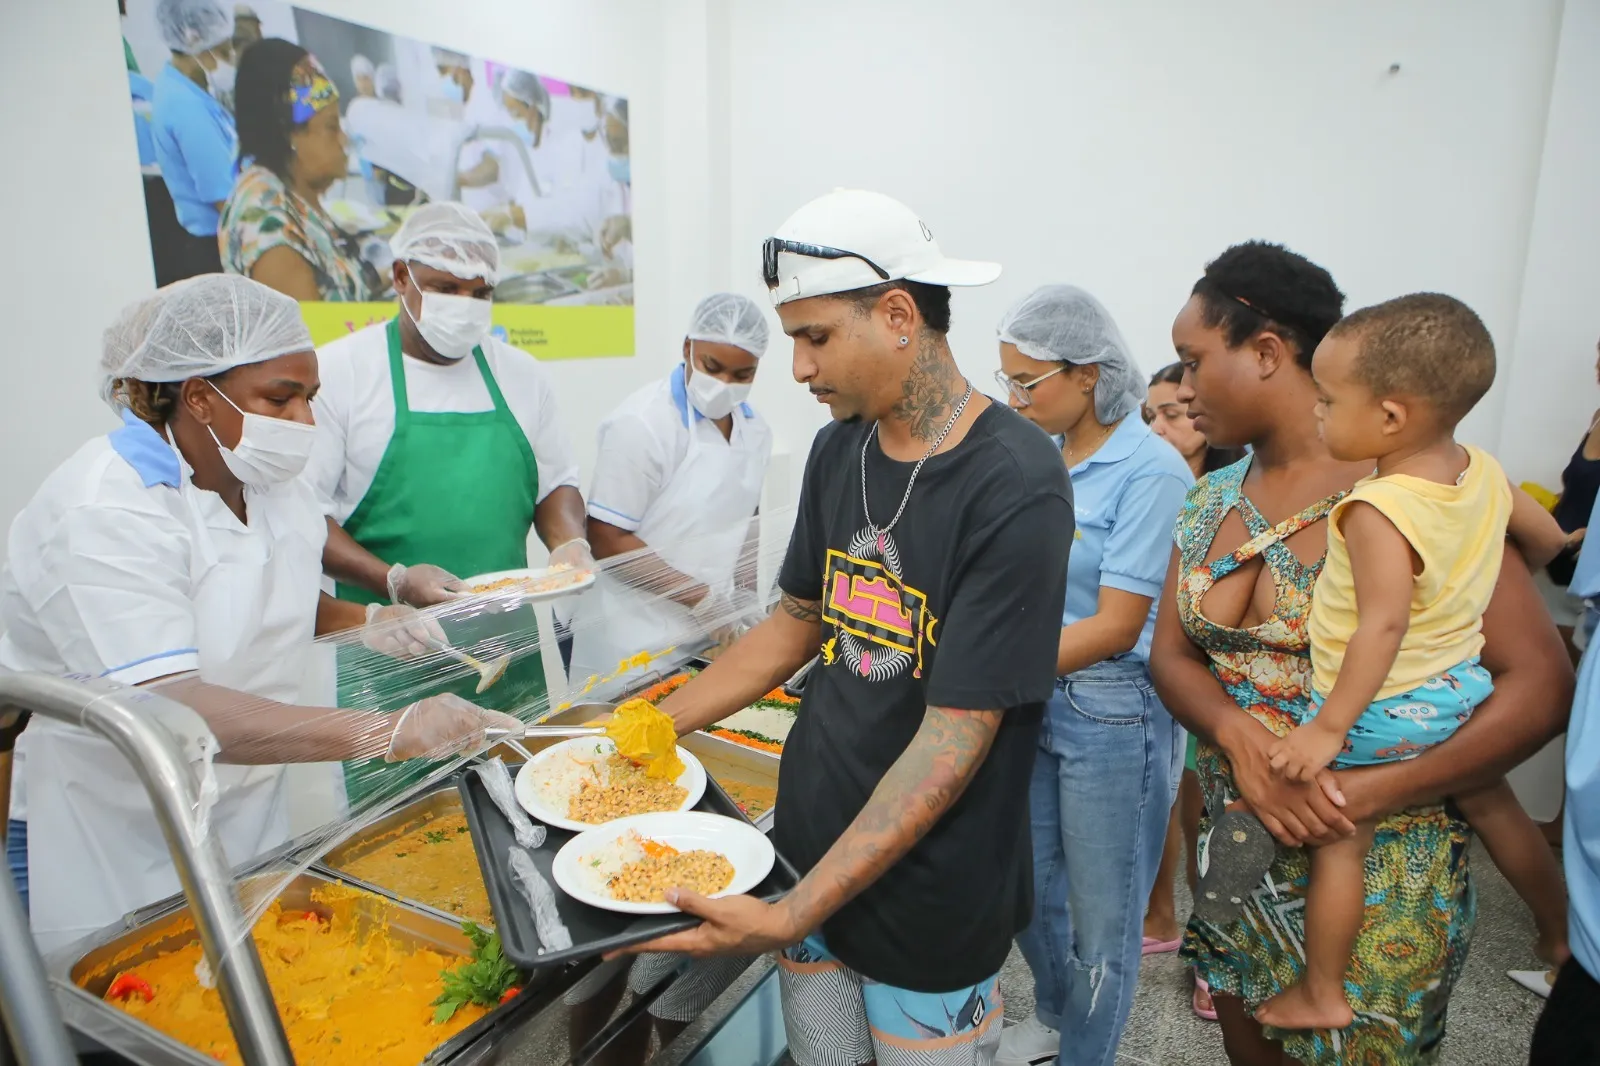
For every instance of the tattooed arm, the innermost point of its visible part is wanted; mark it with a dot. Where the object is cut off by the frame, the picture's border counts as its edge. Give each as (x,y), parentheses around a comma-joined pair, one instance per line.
(759,662)
(930,775)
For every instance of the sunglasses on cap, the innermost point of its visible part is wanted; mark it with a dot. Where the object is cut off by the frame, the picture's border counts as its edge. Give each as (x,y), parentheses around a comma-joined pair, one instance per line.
(772,246)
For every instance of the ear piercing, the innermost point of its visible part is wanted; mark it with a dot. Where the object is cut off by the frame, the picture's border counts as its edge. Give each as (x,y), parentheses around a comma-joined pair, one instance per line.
(904,341)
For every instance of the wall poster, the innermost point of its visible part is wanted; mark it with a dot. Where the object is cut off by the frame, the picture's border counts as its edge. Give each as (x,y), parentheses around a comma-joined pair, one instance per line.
(289,145)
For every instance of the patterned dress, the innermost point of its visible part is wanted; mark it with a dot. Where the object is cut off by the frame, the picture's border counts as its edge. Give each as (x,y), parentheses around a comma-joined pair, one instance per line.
(1420,903)
(264,213)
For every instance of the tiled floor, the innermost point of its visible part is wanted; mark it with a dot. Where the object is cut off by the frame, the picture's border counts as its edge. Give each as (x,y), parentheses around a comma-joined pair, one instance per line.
(1490,1018)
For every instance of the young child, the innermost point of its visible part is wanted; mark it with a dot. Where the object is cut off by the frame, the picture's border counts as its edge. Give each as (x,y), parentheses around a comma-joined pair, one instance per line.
(1413,556)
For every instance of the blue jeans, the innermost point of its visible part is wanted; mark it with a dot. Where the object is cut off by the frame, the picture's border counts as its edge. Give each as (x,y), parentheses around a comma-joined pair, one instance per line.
(17,857)
(1103,784)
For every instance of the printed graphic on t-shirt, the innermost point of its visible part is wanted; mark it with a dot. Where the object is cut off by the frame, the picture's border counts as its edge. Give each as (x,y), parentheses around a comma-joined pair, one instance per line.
(880,624)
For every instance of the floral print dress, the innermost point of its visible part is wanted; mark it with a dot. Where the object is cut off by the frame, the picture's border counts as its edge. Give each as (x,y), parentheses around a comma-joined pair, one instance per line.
(1420,904)
(264,213)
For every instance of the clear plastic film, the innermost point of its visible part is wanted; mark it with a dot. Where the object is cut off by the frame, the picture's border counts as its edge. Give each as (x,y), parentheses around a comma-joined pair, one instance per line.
(344,730)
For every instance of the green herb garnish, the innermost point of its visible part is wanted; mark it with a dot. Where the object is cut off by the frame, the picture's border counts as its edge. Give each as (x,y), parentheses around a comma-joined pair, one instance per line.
(483,980)
(435,836)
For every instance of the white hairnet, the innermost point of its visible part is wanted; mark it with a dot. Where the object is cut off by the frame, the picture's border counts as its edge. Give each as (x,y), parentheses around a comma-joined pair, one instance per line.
(527,88)
(451,237)
(361,67)
(728,318)
(193,26)
(1064,324)
(444,57)
(199,327)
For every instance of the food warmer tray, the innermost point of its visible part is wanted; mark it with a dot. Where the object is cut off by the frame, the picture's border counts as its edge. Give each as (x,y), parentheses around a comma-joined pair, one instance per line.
(438,801)
(82,973)
(594,931)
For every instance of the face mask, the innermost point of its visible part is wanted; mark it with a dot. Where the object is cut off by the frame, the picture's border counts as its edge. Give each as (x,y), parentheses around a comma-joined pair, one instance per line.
(451,90)
(221,80)
(526,134)
(270,451)
(711,396)
(620,168)
(452,325)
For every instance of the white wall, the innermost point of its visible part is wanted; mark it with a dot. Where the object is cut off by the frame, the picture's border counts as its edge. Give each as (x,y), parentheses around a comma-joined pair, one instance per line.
(1551,392)
(1121,146)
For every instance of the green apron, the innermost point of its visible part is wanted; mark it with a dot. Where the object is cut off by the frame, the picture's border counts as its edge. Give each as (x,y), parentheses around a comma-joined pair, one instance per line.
(456,490)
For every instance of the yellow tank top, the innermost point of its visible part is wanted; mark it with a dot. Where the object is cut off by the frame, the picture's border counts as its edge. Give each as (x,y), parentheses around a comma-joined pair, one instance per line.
(1459,532)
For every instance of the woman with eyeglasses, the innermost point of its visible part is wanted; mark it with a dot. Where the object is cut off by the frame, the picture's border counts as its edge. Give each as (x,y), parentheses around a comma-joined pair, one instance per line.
(1109,755)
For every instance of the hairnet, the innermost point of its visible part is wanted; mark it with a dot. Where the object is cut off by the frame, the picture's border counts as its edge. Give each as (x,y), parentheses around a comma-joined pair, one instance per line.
(1064,324)
(451,237)
(444,57)
(199,327)
(361,67)
(193,26)
(526,87)
(728,318)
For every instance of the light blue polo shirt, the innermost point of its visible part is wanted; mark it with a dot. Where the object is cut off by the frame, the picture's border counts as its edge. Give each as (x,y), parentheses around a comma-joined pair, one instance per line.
(1585,583)
(197,148)
(1580,837)
(1126,497)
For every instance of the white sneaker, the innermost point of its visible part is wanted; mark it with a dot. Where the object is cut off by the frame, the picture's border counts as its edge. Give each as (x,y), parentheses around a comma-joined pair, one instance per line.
(1028,1043)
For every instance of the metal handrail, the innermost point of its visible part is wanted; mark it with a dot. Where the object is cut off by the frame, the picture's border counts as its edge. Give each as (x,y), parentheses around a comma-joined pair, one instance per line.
(32,1021)
(145,728)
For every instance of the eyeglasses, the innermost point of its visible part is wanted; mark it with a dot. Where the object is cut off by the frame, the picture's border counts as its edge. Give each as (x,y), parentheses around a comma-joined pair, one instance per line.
(772,246)
(1022,391)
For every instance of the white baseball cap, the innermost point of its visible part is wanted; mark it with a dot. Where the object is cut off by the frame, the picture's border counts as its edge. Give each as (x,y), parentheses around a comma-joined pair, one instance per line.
(853,239)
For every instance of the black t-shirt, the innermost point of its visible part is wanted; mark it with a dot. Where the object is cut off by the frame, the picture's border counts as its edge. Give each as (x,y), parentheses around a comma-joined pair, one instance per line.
(959,606)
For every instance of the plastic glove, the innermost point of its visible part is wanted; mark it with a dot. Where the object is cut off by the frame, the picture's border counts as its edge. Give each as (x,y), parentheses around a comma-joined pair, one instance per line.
(713,612)
(574,553)
(401,632)
(441,726)
(424,585)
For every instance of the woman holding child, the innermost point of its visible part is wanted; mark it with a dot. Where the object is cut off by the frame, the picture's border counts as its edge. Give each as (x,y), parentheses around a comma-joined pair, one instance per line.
(1231,659)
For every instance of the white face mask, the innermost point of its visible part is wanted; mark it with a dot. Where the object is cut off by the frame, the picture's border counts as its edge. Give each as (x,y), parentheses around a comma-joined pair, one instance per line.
(711,396)
(452,325)
(270,451)
(222,80)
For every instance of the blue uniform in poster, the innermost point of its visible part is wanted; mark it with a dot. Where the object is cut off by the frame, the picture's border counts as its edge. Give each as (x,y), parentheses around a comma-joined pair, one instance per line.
(197,147)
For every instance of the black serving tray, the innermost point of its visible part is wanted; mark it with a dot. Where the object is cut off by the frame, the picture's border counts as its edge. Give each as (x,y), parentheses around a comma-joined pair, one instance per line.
(594,931)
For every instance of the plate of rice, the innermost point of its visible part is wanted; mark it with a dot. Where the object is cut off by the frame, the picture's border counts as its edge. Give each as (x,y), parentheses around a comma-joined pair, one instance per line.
(583,782)
(628,866)
(530,586)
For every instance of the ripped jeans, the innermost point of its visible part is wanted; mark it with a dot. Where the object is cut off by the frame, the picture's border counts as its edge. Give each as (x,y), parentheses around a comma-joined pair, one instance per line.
(1104,779)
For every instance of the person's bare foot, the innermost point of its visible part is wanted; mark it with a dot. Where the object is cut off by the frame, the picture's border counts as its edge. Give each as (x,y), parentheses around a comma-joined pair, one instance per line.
(1553,950)
(1299,1008)
(1161,929)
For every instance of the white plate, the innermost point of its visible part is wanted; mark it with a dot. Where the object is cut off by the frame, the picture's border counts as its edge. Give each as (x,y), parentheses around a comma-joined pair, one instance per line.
(739,841)
(580,582)
(536,793)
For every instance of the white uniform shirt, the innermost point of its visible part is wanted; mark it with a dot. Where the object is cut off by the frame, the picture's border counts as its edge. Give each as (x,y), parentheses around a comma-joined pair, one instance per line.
(100,570)
(644,440)
(355,410)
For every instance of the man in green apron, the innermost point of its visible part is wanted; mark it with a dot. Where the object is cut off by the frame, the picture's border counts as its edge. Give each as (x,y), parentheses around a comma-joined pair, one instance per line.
(439,449)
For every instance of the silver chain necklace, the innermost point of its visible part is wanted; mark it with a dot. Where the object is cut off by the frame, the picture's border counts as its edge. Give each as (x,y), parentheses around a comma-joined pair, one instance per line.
(948,426)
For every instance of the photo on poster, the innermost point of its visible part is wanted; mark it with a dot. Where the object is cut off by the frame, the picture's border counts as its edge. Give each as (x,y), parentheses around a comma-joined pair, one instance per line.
(289,146)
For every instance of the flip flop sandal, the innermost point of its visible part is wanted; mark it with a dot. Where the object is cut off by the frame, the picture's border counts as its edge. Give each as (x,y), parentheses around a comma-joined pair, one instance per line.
(1238,853)
(1152,946)
(1204,1014)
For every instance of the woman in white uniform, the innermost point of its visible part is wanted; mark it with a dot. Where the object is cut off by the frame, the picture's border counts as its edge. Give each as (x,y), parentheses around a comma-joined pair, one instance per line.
(183,546)
(678,475)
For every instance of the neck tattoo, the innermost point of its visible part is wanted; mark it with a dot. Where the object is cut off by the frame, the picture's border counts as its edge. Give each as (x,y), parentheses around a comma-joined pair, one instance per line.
(875,529)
